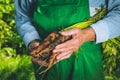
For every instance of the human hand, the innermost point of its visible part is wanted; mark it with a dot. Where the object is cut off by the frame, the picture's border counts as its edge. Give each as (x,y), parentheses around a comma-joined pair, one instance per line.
(78,38)
(33,45)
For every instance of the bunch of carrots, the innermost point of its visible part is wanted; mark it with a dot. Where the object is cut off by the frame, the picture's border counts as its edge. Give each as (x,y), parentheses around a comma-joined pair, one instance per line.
(44,56)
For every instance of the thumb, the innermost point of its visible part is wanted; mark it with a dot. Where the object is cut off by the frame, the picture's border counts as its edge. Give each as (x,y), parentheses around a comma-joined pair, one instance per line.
(69,32)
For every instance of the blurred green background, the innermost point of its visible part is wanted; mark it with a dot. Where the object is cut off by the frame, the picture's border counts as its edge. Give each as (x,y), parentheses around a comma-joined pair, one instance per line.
(15,62)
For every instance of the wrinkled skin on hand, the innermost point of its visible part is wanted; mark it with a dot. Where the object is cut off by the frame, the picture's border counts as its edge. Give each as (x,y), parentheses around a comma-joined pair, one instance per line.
(78,38)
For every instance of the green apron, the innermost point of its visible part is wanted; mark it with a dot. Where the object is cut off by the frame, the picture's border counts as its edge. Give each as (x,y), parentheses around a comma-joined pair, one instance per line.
(51,15)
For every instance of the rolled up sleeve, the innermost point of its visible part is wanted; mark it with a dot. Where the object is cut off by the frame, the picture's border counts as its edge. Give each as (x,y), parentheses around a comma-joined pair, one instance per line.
(109,26)
(23,19)
(101,30)
(29,33)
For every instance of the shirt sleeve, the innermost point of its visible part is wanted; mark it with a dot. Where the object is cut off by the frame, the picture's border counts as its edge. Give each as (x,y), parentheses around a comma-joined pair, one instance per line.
(23,18)
(109,26)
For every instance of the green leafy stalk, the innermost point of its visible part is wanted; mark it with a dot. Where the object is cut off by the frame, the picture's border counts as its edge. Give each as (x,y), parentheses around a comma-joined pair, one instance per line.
(86,23)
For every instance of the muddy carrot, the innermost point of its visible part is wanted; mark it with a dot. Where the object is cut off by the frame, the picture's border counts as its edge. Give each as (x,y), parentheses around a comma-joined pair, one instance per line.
(49,39)
(57,41)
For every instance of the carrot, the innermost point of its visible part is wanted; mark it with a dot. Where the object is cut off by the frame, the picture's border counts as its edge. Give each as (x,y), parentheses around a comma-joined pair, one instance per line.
(49,39)
(38,61)
(46,57)
(51,62)
(59,40)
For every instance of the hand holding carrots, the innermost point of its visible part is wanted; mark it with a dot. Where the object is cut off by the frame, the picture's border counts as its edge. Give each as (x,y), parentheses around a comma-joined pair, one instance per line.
(43,54)
(78,38)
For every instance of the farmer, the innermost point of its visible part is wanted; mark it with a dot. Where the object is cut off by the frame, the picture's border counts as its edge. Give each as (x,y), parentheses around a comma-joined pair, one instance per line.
(35,19)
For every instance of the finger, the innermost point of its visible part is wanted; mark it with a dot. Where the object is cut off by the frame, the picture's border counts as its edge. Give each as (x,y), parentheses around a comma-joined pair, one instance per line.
(70,32)
(64,57)
(59,59)
(60,56)
(65,44)
(64,49)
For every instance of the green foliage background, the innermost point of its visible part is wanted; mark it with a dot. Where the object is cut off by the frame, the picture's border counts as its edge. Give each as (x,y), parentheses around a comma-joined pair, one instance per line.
(15,63)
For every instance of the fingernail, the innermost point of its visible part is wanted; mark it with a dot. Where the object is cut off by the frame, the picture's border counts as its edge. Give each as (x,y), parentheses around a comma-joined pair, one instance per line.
(57,57)
(54,51)
(57,47)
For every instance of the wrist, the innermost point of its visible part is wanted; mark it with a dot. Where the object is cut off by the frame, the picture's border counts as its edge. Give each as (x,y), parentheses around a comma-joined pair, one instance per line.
(90,34)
